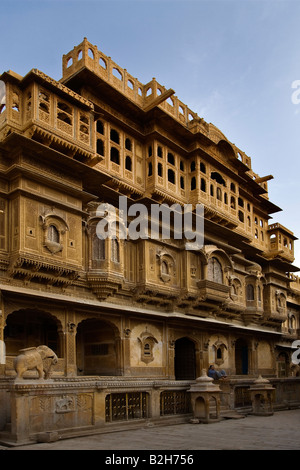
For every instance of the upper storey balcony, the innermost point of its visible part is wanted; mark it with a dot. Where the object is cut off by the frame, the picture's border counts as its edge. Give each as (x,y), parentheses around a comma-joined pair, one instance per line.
(45,110)
(281,242)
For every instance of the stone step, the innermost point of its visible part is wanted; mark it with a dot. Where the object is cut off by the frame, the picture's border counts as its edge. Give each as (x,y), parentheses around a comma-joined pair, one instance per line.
(231,414)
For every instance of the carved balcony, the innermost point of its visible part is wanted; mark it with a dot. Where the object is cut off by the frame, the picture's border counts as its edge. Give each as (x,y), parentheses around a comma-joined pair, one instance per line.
(104,284)
(253,311)
(210,291)
(156,295)
(276,316)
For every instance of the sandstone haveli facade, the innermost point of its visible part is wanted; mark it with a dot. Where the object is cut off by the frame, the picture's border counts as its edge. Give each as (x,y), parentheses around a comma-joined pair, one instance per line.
(132,322)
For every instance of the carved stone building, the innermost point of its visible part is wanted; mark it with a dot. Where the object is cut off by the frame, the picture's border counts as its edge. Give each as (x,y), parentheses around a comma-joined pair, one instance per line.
(134,321)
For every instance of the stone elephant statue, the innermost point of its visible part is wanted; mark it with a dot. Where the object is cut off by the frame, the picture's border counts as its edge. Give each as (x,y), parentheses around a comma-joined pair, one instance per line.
(40,358)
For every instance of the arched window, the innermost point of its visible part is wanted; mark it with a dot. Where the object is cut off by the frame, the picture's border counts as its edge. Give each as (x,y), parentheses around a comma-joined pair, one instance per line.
(114,155)
(193,166)
(193,183)
(147,350)
(171,158)
(214,270)
(250,292)
(98,248)
(259,293)
(114,136)
(128,163)
(128,144)
(171,176)
(202,167)
(218,178)
(64,113)
(241,216)
(53,234)
(100,127)
(100,147)
(203,185)
(159,169)
(147,346)
(115,250)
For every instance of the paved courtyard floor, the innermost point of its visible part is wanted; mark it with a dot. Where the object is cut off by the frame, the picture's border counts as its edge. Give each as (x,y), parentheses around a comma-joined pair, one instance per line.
(281,431)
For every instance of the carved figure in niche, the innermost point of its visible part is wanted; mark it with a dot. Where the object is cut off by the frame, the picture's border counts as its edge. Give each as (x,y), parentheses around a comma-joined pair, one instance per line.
(40,358)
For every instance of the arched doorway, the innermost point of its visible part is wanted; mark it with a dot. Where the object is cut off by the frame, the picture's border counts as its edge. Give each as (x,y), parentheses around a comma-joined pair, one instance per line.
(282,364)
(28,328)
(241,357)
(98,349)
(185,359)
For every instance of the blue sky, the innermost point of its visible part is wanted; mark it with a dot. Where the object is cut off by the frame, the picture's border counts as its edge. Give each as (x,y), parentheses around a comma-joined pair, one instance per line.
(231,61)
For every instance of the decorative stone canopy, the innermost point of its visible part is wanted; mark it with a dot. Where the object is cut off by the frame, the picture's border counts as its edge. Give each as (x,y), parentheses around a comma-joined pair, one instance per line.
(262,397)
(205,399)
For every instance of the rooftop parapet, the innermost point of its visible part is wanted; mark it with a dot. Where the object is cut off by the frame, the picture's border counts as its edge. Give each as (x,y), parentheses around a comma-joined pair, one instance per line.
(147,96)
(86,55)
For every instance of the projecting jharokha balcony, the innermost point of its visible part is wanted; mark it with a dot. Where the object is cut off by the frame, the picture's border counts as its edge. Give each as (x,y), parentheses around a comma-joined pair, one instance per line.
(213,291)
(48,112)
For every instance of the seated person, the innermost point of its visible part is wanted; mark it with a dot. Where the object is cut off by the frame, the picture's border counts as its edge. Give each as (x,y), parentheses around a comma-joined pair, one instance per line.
(215,374)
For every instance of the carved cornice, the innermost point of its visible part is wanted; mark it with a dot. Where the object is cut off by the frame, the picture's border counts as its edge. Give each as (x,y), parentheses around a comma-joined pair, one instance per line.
(28,267)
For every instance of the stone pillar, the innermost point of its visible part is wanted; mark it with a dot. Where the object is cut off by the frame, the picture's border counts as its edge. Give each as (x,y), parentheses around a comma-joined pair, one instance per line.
(99,406)
(231,356)
(205,399)
(126,350)
(70,346)
(20,425)
(2,344)
(171,359)
(155,402)
(252,355)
